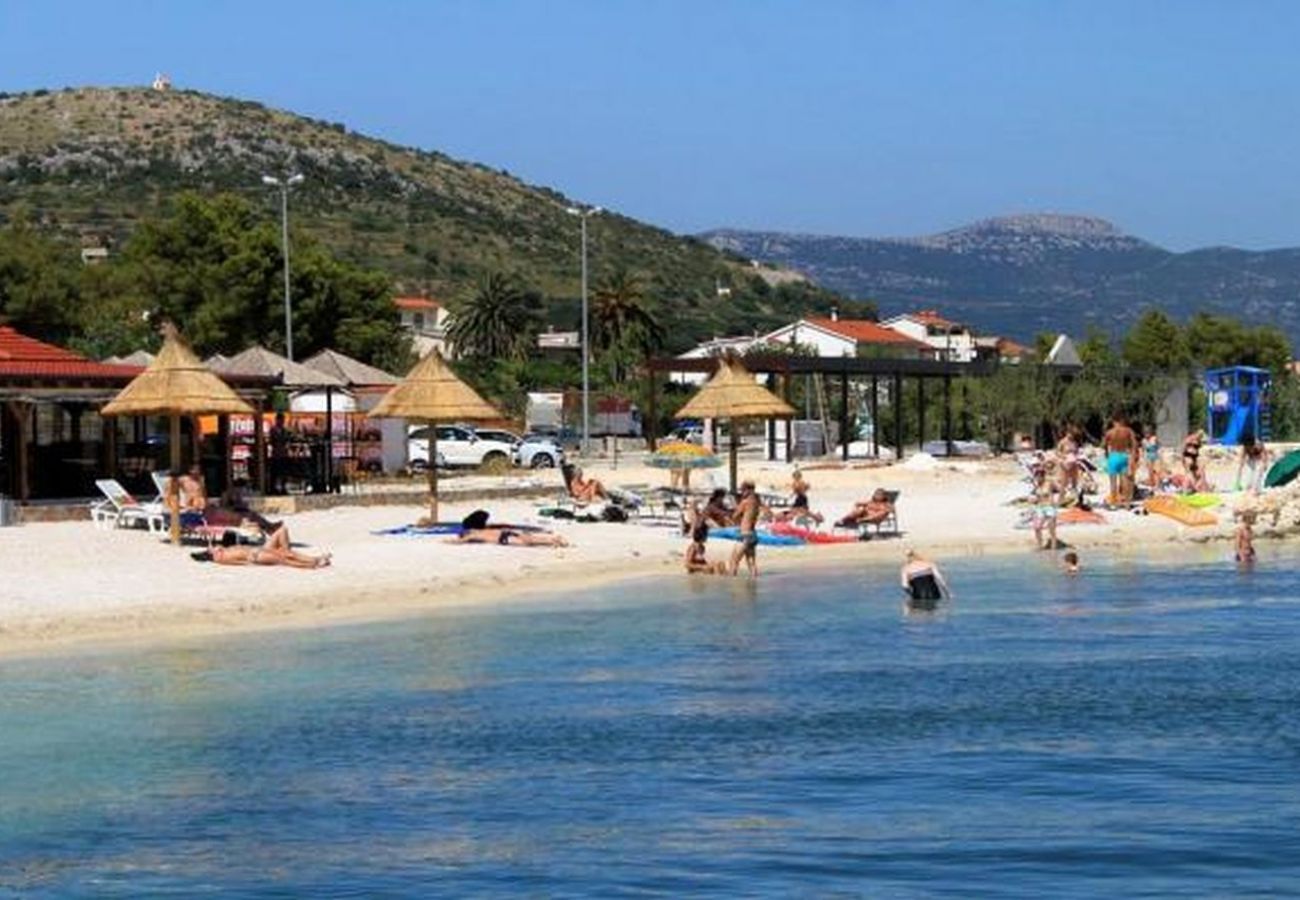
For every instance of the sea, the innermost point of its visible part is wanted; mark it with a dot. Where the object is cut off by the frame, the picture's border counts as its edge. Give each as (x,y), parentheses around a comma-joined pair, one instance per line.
(1131,731)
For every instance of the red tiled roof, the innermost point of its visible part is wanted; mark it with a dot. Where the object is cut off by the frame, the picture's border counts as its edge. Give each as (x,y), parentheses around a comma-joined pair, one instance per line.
(416,303)
(25,357)
(864,331)
(1009,348)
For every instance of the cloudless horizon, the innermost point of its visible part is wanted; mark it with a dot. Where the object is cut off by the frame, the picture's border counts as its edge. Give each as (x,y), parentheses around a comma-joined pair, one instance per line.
(880,118)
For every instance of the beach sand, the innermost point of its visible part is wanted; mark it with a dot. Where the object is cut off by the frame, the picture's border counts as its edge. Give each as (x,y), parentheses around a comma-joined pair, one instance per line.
(69,582)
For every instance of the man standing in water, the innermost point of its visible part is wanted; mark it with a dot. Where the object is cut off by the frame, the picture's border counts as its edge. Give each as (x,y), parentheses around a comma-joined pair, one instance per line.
(1121,446)
(747,512)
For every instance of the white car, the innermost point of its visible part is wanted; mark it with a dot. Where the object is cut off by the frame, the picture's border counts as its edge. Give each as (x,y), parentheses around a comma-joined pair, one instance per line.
(537,451)
(458,445)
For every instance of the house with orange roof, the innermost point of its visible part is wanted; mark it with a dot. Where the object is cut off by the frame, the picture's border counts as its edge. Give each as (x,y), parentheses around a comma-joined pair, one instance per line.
(949,340)
(835,336)
(426,320)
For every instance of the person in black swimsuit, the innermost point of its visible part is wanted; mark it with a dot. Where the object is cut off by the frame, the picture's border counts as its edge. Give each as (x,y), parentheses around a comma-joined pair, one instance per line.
(923,583)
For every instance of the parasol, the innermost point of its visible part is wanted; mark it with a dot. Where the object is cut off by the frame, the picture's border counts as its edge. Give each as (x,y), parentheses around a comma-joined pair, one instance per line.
(733,394)
(432,393)
(175,384)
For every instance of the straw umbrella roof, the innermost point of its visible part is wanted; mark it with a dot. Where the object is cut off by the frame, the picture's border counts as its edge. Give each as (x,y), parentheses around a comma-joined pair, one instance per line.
(431,391)
(732,393)
(262,362)
(176,383)
(352,372)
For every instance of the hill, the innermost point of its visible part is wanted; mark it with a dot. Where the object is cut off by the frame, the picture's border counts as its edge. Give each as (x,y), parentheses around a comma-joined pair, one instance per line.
(1020,275)
(93,162)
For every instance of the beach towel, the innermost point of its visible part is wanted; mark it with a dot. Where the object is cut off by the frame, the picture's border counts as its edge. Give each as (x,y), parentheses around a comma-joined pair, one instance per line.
(1076,516)
(1200,501)
(1179,512)
(789,529)
(764,537)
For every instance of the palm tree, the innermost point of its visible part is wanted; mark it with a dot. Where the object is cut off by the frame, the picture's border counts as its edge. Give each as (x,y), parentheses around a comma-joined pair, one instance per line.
(499,322)
(623,325)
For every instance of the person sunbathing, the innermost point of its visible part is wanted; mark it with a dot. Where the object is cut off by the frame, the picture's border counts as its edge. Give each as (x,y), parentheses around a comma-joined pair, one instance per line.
(277,551)
(696,560)
(586,490)
(509,537)
(798,510)
(868,512)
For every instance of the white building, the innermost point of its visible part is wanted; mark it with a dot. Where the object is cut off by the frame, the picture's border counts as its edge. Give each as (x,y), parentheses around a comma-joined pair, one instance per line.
(426,320)
(949,340)
(712,348)
(833,336)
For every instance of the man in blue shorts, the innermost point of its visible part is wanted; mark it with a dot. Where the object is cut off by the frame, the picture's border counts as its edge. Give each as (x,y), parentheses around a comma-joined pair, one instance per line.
(1121,446)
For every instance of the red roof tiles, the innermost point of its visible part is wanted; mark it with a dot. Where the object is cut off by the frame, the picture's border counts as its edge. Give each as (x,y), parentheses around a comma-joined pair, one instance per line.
(416,303)
(25,357)
(864,331)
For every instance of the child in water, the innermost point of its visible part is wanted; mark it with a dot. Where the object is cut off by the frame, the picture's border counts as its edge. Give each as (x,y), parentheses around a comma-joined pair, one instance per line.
(1246,538)
(1070,562)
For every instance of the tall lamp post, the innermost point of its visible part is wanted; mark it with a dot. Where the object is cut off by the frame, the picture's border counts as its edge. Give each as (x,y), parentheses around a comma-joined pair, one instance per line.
(584,215)
(284,184)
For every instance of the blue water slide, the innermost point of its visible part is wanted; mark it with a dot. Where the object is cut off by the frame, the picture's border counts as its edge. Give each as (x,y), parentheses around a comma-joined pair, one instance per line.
(1237,424)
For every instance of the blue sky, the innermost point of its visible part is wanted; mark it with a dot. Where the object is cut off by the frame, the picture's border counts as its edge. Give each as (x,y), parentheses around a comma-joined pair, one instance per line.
(1177,120)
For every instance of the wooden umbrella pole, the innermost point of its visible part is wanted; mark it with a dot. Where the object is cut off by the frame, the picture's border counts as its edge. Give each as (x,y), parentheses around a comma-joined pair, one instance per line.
(433,471)
(731,426)
(174,440)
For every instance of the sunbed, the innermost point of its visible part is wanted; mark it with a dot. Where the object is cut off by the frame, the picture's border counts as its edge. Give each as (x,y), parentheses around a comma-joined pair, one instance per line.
(119,508)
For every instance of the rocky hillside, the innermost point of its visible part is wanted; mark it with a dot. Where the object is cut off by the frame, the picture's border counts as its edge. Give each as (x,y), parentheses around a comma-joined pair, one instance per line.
(92,162)
(1020,275)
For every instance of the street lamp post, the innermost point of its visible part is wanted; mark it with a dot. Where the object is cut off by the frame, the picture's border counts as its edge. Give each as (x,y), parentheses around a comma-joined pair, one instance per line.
(583,215)
(284,184)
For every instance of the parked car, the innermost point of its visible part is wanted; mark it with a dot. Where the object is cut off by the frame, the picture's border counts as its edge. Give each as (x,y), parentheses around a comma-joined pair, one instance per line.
(458,445)
(537,451)
(495,434)
(566,437)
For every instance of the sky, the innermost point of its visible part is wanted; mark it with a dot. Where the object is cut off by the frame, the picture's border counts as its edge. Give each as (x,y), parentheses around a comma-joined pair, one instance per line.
(1175,119)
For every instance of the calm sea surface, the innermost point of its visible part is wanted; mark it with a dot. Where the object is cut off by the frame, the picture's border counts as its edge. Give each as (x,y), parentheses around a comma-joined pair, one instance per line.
(1135,731)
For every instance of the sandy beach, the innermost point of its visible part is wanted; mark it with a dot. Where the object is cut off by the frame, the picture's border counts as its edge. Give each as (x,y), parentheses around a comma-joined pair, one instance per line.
(70,582)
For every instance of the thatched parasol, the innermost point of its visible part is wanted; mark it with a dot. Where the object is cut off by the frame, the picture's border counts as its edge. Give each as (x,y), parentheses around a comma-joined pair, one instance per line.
(432,393)
(733,394)
(175,384)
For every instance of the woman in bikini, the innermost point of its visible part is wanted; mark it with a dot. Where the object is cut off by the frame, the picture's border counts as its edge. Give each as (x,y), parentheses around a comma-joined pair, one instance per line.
(697,562)
(509,537)
(1192,460)
(277,551)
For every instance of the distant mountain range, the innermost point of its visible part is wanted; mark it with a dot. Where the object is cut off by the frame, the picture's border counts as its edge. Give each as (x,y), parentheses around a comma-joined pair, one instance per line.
(1021,275)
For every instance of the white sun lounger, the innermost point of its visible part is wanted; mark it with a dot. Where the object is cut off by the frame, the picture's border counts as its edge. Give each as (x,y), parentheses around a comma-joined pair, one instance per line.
(119,508)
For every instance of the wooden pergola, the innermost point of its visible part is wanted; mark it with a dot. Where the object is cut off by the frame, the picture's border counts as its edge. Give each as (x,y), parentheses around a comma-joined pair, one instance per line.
(37,376)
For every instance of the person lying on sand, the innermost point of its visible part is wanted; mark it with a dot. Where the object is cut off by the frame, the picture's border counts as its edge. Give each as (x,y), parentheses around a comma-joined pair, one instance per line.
(508,537)
(277,551)
(868,512)
(697,562)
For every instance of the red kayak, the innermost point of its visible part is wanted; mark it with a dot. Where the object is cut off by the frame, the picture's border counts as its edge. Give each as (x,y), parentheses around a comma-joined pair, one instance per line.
(789,529)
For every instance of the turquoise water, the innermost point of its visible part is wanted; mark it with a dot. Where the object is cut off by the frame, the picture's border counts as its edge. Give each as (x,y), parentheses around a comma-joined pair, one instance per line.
(1133,731)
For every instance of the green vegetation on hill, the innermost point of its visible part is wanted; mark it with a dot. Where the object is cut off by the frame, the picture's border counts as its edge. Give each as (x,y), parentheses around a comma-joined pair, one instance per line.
(93,164)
